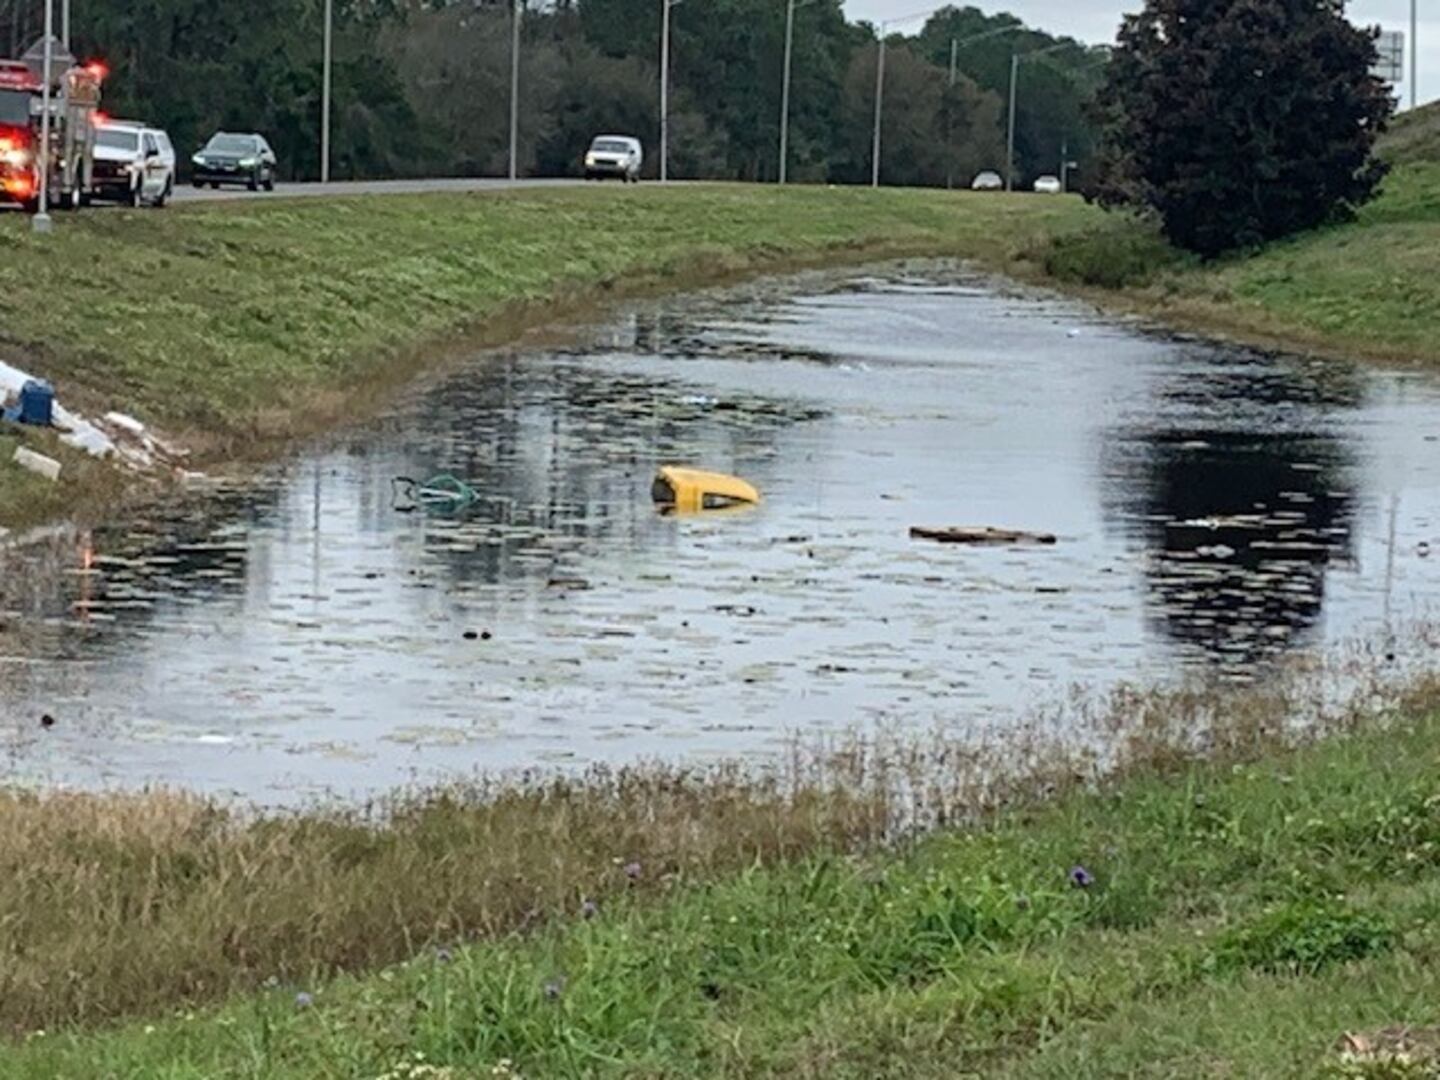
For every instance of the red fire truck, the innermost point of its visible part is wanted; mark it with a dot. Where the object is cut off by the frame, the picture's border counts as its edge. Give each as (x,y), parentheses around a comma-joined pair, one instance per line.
(74,105)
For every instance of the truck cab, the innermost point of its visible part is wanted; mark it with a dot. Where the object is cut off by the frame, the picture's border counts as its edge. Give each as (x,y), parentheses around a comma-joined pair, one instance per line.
(18,178)
(69,158)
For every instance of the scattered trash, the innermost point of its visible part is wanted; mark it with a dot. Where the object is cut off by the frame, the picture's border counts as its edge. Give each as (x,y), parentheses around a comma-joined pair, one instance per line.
(681,490)
(441,492)
(117,435)
(981,534)
(37,463)
(47,721)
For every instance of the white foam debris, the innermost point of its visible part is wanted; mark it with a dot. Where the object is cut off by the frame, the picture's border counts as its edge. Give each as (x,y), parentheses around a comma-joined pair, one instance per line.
(117,434)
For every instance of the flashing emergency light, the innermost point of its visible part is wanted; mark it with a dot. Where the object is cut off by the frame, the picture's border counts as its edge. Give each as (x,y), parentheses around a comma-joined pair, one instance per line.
(98,69)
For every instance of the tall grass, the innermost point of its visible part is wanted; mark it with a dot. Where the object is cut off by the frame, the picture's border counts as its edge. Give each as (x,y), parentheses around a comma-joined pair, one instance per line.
(118,904)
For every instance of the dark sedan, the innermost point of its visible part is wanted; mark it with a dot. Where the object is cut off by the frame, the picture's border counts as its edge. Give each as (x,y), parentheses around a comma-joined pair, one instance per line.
(234,159)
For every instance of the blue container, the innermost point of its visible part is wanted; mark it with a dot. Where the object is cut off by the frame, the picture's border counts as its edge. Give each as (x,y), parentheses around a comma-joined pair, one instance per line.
(37,403)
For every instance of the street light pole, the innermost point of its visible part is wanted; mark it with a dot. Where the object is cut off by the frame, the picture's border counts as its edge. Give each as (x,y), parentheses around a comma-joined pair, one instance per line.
(325,95)
(785,88)
(950,120)
(514,83)
(879,102)
(665,6)
(1414,68)
(1010,127)
(1010,136)
(65,24)
(40,223)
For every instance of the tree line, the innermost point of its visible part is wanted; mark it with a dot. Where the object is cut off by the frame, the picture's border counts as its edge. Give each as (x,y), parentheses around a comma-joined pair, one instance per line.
(421,87)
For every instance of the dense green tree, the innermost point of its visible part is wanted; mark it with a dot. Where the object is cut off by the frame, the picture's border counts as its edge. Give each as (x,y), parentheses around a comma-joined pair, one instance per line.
(1239,121)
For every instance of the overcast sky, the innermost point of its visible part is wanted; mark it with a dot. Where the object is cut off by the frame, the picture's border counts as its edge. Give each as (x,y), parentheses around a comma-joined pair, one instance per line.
(1095,21)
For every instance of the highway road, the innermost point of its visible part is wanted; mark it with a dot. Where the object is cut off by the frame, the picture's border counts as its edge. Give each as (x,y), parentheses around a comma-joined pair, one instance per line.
(337,189)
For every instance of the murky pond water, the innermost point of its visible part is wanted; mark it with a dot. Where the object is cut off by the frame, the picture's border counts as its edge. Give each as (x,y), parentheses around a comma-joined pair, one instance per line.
(299,633)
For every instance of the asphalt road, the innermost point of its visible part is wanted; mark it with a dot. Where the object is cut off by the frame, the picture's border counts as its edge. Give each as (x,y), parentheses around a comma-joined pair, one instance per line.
(363,187)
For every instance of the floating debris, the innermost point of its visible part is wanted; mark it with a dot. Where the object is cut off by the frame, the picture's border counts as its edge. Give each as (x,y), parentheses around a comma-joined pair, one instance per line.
(978,534)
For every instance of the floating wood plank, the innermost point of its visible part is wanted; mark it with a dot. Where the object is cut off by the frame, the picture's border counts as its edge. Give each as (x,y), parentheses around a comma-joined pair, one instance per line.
(978,534)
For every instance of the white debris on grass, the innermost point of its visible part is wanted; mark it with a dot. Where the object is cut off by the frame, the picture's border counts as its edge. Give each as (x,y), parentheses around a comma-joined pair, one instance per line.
(115,435)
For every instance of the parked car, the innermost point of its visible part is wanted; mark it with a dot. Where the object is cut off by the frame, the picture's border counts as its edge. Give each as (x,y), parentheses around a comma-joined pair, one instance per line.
(134,164)
(614,155)
(1048,185)
(987,181)
(230,158)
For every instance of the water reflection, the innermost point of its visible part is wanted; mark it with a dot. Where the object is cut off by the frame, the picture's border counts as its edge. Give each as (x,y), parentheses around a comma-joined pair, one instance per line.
(297,630)
(1244,485)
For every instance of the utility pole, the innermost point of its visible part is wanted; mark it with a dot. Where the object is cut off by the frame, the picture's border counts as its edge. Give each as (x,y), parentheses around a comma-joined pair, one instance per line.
(40,223)
(879,100)
(785,88)
(665,6)
(65,24)
(1010,127)
(1414,66)
(517,6)
(1064,164)
(950,119)
(1010,136)
(325,94)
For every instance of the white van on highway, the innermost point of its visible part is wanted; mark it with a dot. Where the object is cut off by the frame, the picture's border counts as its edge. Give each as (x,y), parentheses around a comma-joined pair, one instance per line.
(614,155)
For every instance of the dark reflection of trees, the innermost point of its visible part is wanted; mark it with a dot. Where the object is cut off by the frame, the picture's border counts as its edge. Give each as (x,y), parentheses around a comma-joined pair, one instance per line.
(1243,499)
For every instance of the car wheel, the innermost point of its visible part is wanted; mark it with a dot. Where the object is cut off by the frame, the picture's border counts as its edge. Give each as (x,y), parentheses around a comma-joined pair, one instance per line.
(165,194)
(214,185)
(137,195)
(198,184)
(254,184)
(270,182)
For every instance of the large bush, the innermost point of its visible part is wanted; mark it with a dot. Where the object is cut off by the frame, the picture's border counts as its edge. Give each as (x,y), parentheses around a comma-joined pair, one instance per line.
(1240,121)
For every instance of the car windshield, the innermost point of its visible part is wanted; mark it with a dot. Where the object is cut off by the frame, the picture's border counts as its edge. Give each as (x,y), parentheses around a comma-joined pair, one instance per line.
(610,146)
(14,107)
(231,144)
(118,139)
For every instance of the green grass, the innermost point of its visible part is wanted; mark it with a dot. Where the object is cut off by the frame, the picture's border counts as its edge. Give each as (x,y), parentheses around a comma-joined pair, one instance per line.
(1236,919)
(1414,136)
(28,499)
(225,317)
(1367,289)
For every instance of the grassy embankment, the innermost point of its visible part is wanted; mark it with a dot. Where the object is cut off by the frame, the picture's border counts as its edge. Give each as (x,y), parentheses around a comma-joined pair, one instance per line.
(233,324)
(1223,918)
(1367,289)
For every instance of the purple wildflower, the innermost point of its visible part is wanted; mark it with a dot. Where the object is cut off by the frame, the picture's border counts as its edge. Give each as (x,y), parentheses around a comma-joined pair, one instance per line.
(1081,878)
(632,871)
(304,1000)
(443,955)
(589,909)
(554,988)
